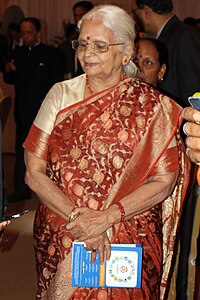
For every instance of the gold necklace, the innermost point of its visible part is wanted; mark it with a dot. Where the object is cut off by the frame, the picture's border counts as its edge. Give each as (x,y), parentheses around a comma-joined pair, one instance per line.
(89,88)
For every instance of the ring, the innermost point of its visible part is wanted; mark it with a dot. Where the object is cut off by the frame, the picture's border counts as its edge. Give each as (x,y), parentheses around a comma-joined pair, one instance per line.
(94,249)
(108,245)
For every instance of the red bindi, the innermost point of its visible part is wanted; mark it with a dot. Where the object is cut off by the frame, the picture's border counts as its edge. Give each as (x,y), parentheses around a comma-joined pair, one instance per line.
(88,37)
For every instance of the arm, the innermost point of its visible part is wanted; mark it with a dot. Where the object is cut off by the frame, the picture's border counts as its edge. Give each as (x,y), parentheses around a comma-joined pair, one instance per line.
(44,187)
(90,226)
(9,73)
(91,223)
(192,130)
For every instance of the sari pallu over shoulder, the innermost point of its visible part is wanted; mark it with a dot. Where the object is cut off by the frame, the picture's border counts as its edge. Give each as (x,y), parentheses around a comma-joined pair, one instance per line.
(163,126)
(160,128)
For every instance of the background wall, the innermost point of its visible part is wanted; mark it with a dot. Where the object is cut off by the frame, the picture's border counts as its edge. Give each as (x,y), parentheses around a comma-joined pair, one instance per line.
(53,12)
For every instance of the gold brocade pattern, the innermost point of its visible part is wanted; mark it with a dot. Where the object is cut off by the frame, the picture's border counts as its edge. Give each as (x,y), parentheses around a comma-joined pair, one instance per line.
(37,142)
(96,159)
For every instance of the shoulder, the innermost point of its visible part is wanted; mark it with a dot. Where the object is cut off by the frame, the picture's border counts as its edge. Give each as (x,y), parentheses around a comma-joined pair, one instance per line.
(67,92)
(74,84)
(149,96)
(176,30)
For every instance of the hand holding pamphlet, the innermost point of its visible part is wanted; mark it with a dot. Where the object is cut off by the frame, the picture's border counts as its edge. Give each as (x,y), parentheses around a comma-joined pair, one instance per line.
(124,268)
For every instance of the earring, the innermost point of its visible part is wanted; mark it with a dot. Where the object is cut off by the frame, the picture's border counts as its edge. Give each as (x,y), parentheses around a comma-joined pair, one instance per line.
(126,61)
(160,79)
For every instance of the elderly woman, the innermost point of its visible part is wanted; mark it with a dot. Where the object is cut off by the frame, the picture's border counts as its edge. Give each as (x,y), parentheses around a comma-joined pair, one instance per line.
(152,60)
(105,153)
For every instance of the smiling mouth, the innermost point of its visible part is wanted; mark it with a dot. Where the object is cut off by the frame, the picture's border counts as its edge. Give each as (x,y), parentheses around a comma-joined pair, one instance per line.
(89,64)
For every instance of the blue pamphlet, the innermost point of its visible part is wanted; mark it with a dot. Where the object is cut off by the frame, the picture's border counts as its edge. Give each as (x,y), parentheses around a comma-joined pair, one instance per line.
(124,269)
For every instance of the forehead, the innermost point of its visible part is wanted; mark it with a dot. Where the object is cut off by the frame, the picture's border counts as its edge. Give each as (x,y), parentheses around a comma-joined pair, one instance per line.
(95,29)
(147,47)
(79,11)
(27,26)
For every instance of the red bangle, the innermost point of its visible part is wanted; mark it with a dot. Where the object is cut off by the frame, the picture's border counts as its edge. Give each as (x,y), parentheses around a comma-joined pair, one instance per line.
(122,211)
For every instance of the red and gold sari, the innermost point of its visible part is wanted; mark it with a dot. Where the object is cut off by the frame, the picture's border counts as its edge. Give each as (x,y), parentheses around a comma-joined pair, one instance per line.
(99,150)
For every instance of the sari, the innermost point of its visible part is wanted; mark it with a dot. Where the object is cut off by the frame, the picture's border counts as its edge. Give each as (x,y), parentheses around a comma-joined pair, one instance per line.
(98,150)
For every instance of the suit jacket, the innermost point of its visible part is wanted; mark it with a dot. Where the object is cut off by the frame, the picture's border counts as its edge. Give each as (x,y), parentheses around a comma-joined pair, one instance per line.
(38,68)
(183,44)
(72,64)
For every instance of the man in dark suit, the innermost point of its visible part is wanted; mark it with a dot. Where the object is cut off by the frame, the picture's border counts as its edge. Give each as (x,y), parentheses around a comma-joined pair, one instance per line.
(183,45)
(72,66)
(34,68)
(182,81)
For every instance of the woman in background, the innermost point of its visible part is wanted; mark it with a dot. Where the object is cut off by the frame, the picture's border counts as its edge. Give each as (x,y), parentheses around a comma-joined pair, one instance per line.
(151,60)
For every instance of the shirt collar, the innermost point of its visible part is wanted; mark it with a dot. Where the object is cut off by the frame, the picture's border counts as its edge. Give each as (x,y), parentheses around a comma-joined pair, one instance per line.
(161,29)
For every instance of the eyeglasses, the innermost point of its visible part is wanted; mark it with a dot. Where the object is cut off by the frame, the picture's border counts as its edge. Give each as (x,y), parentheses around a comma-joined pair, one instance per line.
(96,46)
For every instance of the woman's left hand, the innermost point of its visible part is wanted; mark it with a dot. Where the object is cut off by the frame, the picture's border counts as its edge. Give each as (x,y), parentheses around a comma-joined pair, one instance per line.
(88,224)
(100,244)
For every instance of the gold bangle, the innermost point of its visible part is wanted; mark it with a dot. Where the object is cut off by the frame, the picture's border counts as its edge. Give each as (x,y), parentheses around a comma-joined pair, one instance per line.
(71,216)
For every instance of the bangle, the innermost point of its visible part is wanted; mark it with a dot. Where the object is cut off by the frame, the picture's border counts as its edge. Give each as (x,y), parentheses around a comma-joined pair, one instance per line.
(122,211)
(71,217)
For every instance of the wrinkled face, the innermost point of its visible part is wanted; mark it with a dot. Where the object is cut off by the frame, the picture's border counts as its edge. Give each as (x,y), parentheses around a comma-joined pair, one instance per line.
(97,64)
(148,62)
(29,33)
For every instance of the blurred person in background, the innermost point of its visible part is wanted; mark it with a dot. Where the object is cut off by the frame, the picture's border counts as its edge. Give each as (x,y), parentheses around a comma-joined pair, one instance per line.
(34,68)
(72,65)
(151,60)
(182,42)
(181,81)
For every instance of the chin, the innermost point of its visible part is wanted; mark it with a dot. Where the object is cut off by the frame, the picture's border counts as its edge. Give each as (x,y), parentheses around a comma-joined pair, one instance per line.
(90,71)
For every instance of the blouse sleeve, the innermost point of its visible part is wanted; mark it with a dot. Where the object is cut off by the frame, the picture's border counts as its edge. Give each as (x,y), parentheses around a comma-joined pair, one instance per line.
(60,96)
(37,140)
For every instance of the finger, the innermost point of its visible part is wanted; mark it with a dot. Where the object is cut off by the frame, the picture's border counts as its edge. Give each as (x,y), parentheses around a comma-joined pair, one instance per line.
(191,129)
(191,114)
(4,224)
(93,255)
(193,155)
(108,250)
(193,143)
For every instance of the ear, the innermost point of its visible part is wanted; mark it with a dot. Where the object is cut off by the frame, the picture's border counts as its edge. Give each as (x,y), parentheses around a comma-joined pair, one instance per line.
(147,12)
(161,73)
(128,55)
(126,58)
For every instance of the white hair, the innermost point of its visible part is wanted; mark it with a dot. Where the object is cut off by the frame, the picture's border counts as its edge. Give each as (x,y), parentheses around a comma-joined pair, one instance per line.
(121,24)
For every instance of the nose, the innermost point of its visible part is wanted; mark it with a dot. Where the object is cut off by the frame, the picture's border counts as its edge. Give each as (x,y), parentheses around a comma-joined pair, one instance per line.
(89,49)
